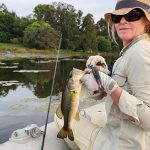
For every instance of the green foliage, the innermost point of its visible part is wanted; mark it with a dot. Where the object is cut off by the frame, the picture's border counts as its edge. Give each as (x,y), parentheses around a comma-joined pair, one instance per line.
(78,32)
(6,26)
(115,48)
(40,35)
(14,40)
(101,27)
(88,33)
(103,44)
(10,25)
(64,18)
(37,24)
(102,30)
(3,8)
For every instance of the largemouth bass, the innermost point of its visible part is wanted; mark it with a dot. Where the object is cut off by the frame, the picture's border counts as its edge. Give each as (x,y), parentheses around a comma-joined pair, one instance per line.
(68,110)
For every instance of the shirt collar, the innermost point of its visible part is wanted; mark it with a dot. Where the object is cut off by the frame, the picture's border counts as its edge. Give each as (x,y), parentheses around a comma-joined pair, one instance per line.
(138,38)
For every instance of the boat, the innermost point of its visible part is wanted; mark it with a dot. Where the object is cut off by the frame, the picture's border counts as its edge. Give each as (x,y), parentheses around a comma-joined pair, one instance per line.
(24,139)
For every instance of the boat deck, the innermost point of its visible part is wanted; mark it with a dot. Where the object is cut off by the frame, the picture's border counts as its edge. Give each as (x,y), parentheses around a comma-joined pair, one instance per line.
(51,142)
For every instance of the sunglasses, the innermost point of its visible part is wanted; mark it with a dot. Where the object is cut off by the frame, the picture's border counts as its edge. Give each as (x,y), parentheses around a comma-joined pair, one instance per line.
(133,15)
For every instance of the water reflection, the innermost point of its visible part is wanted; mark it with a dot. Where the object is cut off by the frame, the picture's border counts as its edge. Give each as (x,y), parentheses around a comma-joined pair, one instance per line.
(25,90)
(36,75)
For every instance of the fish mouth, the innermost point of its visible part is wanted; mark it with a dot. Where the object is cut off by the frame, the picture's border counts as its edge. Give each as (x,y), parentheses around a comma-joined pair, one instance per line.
(96,92)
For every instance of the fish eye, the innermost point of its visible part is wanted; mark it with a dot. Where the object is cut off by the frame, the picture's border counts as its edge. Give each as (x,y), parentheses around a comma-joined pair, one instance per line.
(74,92)
(101,64)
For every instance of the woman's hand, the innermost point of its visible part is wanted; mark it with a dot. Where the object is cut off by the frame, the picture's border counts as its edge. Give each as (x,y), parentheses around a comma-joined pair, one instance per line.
(109,85)
(98,62)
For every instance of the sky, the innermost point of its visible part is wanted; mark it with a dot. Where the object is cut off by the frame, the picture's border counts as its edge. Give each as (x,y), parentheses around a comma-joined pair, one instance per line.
(96,7)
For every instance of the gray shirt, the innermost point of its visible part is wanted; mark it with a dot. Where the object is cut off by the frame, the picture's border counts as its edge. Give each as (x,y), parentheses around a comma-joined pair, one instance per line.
(132,73)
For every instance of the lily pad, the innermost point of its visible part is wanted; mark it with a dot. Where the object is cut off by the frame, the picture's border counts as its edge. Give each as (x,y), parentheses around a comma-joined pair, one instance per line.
(31,71)
(7,67)
(44,108)
(39,100)
(18,107)
(10,83)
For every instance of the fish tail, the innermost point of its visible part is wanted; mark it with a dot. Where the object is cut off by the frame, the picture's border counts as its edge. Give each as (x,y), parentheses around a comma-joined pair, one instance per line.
(70,135)
(64,133)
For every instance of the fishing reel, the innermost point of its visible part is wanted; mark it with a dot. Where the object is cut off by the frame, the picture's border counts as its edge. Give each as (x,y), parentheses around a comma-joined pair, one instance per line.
(33,131)
(25,134)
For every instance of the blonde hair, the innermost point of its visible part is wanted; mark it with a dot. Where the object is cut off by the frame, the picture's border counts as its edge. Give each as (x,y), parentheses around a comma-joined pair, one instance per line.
(111,32)
(148,27)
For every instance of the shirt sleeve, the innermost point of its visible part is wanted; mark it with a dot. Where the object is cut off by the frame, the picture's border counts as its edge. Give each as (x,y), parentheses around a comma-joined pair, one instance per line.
(128,105)
(137,72)
(136,109)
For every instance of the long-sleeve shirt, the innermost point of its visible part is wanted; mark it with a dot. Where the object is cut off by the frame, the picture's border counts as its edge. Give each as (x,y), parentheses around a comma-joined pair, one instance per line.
(128,123)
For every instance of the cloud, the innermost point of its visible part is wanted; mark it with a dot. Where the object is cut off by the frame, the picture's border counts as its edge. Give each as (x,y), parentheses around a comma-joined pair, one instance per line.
(95,7)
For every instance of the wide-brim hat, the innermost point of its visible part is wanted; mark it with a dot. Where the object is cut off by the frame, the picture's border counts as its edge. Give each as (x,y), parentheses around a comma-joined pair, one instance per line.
(125,6)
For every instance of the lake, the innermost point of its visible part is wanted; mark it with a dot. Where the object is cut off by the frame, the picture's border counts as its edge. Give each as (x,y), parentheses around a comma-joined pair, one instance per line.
(25,86)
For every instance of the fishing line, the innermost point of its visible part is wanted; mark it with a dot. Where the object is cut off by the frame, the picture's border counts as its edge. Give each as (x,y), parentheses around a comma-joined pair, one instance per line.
(52,88)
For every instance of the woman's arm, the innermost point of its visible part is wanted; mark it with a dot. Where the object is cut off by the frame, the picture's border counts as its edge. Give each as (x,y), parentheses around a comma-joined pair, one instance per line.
(116,95)
(135,105)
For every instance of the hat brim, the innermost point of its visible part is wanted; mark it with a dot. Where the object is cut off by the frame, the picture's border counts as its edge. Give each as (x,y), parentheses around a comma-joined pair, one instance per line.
(123,11)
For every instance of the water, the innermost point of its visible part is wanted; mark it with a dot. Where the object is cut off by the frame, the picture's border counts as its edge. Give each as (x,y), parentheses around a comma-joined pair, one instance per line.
(25,86)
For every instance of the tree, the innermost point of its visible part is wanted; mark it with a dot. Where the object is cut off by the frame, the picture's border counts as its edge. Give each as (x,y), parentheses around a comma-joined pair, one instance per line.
(3,8)
(11,26)
(7,20)
(64,18)
(42,12)
(102,30)
(101,27)
(103,44)
(88,33)
(20,26)
(40,35)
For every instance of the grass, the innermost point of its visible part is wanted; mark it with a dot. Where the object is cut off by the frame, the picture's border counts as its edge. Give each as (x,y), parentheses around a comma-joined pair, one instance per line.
(11,47)
(18,51)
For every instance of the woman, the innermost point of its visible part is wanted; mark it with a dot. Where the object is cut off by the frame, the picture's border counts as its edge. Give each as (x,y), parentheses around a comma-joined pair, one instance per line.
(128,90)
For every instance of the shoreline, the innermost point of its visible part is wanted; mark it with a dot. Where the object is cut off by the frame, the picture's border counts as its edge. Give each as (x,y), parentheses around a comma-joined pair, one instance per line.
(49,54)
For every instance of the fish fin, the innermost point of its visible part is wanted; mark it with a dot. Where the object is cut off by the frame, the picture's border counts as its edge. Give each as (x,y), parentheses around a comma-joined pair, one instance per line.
(84,93)
(62,134)
(59,112)
(70,135)
(81,96)
(77,117)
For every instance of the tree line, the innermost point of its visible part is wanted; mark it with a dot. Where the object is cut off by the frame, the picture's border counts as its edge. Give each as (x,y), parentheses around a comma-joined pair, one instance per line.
(52,21)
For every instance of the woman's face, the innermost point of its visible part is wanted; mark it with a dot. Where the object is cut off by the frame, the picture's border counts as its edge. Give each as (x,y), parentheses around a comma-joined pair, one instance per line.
(127,31)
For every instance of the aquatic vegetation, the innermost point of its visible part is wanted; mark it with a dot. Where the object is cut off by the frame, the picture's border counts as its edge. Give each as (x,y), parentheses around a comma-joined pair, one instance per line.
(39,100)
(10,83)
(28,99)
(33,71)
(18,107)
(43,108)
(8,67)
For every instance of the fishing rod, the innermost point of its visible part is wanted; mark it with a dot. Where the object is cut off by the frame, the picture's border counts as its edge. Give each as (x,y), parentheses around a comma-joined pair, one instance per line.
(52,88)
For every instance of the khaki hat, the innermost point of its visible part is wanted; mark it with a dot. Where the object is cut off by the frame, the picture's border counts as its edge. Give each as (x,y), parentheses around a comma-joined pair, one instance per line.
(125,6)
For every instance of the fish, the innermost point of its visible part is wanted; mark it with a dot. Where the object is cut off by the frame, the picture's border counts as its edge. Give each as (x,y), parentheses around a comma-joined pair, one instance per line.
(68,109)
(75,91)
